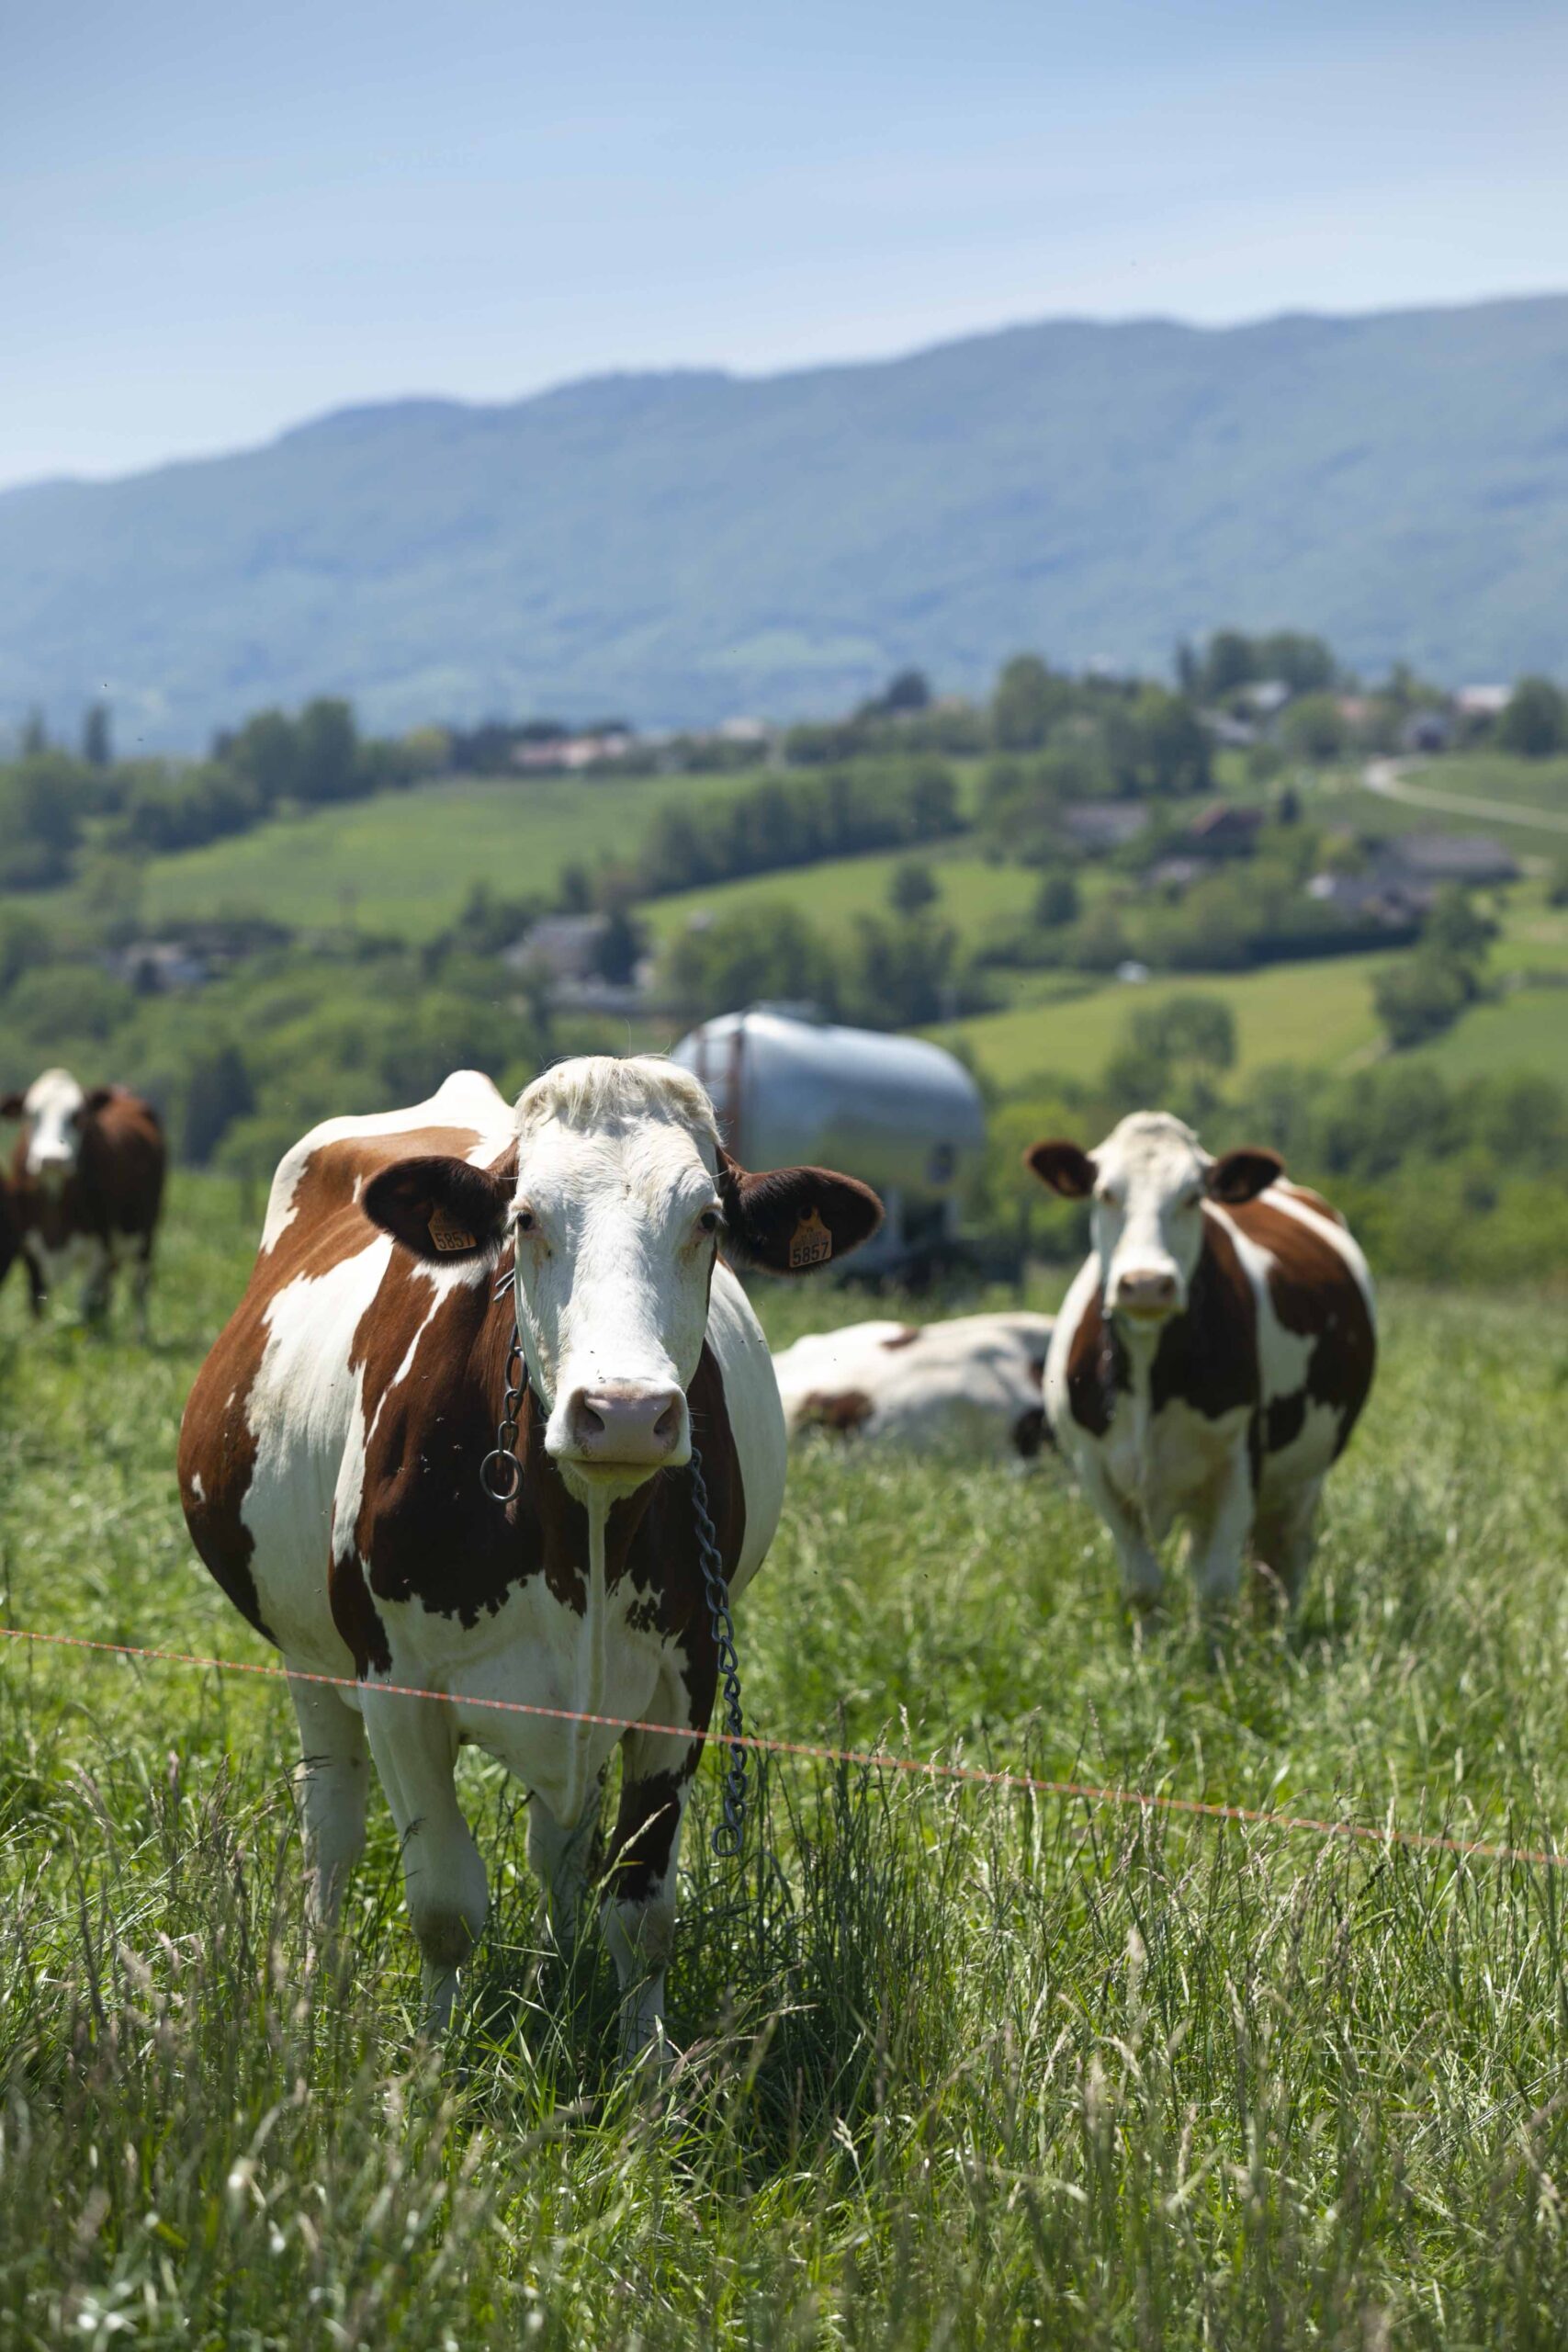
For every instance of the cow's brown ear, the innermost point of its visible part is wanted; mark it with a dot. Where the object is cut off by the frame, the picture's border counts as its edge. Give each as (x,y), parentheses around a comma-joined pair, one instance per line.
(12,1106)
(1238,1176)
(96,1099)
(793,1219)
(440,1209)
(1064,1168)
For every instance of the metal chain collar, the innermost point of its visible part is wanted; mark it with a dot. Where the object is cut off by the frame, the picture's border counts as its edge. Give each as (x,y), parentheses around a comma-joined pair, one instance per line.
(503,1482)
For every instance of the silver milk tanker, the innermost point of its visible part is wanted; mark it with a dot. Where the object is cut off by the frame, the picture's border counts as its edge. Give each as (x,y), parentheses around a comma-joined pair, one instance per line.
(899,1112)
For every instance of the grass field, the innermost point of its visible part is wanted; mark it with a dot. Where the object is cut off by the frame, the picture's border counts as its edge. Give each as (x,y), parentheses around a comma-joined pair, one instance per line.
(1318,1013)
(403,862)
(964,2069)
(976,896)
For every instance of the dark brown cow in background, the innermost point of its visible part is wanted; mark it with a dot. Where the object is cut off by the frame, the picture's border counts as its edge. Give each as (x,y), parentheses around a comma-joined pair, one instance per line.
(86,1185)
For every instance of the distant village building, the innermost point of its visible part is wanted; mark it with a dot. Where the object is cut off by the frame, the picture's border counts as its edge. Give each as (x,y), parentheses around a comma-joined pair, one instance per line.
(567,754)
(1426,731)
(565,947)
(1472,859)
(1401,882)
(1483,701)
(1267,697)
(1226,830)
(1104,824)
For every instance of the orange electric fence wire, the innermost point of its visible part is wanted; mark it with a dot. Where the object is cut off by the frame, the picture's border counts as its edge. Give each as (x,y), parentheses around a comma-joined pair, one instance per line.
(876,1759)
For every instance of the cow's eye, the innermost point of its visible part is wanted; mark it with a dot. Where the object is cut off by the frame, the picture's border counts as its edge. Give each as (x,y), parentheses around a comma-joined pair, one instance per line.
(1104,1193)
(525,1221)
(710,1220)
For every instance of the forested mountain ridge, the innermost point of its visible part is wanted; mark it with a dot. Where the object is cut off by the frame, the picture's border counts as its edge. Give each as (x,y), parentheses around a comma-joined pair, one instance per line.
(684,545)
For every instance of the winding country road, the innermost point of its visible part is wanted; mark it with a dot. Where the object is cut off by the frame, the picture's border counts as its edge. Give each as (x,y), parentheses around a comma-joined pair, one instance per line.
(1389,777)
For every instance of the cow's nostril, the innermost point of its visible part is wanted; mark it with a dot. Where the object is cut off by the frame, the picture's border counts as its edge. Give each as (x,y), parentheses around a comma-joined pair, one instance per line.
(668,1425)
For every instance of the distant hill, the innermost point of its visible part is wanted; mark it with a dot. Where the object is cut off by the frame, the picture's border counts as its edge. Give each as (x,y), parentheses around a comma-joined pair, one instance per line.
(683,547)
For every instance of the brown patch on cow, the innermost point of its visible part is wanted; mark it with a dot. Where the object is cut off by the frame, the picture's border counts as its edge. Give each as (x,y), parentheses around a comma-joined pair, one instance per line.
(1207,1355)
(218,1448)
(1284,1421)
(115,1190)
(1314,1295)
(843,1411)
(1029,1433)
(1097,1370)
(356,1615)
(1314,1201)
(906,1335)
(217,1459)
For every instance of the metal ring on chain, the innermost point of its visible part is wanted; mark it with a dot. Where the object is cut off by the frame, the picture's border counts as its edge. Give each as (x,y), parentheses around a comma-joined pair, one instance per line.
(505,1485)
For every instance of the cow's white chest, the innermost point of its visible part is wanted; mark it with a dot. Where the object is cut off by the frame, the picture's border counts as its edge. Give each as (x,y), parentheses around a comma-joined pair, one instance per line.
(1163,1464)
(556,1668)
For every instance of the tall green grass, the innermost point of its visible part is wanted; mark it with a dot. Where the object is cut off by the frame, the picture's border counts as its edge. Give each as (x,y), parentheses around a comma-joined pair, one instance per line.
(960,2069)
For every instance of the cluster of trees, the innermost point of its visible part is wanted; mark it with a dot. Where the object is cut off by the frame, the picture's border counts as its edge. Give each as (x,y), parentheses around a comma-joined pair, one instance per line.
(1421,995)
(895,970)
(1534,720)
(778,824)
(50,797)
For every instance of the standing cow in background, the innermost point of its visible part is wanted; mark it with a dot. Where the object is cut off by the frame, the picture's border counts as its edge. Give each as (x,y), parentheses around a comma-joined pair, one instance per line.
(330,1455)
(1213,1353)
(86,1188)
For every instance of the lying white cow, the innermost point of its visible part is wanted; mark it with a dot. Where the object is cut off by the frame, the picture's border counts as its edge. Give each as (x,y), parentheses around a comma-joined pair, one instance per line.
(971,1384)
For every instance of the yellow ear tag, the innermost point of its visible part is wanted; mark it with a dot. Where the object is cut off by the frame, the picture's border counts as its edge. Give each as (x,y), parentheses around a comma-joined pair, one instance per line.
(448,1236)
(811,1245)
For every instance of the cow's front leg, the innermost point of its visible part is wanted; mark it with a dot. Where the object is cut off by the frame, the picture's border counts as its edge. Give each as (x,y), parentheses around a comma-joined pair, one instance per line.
(560,1859)
(95,1284)
(141,1283)
(37,1287)
(639,1909)
(1221,1528)
(414,1743)
(334,1781)
(1142,1574)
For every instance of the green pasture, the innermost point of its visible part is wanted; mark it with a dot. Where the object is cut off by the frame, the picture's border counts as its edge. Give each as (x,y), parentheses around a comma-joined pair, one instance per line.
(961,2068)
(977,896)
(1319,1013)
(403,862)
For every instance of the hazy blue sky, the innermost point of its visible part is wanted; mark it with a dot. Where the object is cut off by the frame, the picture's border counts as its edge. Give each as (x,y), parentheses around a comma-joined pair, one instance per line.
(215,222)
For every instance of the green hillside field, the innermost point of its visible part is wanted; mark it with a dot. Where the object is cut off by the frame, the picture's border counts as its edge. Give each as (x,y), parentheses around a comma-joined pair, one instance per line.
(1310,1013)
(404,863)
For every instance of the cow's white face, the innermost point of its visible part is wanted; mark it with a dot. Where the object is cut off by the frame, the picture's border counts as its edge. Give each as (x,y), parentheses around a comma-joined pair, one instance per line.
(1147,1184)
(615,1232)
(1151,1178)
(616,1210)
(52,1107)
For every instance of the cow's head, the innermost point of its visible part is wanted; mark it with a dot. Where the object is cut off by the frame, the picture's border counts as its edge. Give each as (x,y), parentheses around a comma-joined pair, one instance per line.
(56,1112)
(622,1200)
(1148,1182)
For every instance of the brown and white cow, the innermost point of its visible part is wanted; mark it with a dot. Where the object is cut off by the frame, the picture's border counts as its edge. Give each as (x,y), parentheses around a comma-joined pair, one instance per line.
(1212,1355)
(86,1188)
(969,1384)
(330,1471)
